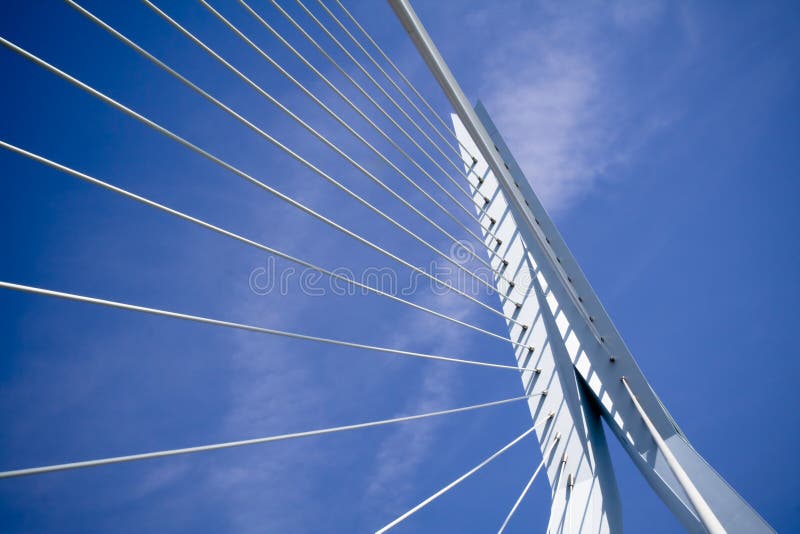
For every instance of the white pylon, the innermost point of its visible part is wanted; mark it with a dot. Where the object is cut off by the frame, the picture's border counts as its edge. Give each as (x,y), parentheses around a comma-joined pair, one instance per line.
(579,355)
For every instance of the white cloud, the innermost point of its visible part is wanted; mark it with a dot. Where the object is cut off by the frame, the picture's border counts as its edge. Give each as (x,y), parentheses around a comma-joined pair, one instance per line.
(552,86)
(552,119)
(161,476)
(405,449)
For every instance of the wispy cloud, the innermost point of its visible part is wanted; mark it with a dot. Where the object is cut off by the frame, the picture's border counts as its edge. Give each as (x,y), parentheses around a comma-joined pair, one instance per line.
(553,86)
(405,449)
(160,477)
(401,455)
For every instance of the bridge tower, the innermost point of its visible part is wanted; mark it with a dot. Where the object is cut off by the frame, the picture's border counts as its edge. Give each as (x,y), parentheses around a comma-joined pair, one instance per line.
(574,350)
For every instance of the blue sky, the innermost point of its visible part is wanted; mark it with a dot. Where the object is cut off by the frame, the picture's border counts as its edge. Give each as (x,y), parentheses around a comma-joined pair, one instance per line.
(661,136)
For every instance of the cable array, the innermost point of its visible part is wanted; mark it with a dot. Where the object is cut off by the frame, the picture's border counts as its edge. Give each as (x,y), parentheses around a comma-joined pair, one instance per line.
(237,237)
(364,141)
(417,133)
(403,77)
(270,189)
(308,164)
(480,207)
(338,91)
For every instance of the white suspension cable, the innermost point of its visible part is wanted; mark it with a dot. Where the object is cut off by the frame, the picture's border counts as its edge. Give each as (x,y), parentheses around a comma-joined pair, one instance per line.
(462,477)
(399,89)
(417,127)
(480,207)
(225,165)
(527,487)
(209,97)
(403,77)
(242,326)
(241,443)
(247,241)
(369,145)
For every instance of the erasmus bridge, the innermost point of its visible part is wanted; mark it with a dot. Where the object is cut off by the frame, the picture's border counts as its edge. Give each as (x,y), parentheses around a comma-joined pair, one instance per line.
(575,373)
